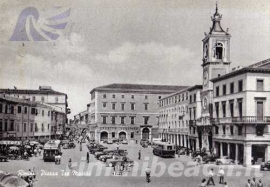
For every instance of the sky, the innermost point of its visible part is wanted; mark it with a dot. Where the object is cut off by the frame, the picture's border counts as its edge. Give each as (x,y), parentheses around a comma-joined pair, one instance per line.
(124,41)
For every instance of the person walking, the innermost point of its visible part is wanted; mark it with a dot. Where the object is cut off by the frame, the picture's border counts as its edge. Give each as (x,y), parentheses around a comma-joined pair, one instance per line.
(80,146)
(211,179)
(221,175)
(147,172)
(248,183)
(87,157)
(179,153)
(69,163)
(139,155)
(253,183)
(260,184)
(203,184)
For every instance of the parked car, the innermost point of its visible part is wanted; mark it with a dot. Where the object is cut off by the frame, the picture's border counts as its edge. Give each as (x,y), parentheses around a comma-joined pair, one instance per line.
(225,160)
(121,160)
(124,142)
(3,158)
(265,166)
(109,142)
(196,153)
(209,158)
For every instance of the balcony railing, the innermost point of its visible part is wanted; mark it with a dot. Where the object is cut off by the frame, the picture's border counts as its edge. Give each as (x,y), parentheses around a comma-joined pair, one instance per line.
(251,119)
(243,119)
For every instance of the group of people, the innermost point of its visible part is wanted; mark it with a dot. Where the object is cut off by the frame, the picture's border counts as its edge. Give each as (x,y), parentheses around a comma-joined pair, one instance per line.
(254,183)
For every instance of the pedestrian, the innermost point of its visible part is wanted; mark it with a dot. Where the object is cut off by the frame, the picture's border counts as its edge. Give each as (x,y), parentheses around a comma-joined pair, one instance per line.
(221,175)
(260,184)
(139,155)
(225,184)
(87,157)
(253,183)
(211,179)
(203,184)
(69,163)
(81,146)
(39,151)
(248,183)
(35,152)
(179,153)
(147,172)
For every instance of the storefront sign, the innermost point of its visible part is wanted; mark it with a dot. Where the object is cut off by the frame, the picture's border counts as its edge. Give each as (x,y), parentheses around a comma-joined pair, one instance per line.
(10,142)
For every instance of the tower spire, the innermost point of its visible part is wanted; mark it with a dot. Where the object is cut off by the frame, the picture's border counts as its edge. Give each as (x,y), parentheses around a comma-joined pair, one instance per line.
(216,7)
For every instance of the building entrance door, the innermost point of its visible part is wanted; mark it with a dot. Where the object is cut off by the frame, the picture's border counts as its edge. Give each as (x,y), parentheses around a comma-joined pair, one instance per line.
(145,134)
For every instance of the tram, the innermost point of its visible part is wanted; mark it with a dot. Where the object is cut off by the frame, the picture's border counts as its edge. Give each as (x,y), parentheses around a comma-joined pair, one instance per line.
(51,149)
(164,149)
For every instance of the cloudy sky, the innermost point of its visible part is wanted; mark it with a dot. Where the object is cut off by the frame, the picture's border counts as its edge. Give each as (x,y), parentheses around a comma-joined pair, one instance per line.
(125,41)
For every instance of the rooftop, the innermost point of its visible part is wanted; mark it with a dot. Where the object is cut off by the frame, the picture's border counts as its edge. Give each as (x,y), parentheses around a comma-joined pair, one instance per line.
(21,101)
(41,90)
(139,87)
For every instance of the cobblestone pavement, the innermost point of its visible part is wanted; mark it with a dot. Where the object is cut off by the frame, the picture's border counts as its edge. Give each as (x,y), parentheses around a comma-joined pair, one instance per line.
(178,171)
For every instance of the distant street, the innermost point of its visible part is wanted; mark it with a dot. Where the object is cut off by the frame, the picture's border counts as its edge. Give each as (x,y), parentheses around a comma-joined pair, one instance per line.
(104,181)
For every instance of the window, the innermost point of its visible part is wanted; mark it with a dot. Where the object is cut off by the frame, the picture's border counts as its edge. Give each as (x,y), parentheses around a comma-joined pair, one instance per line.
(113,96)
(49,113)
(123,96)
(42,112)
(259,84)
(145,106)
(219,51)
(224,89)
(104,96)
(240,86)
(217,91)
(232,130)
(240,109)
(224,130)
(1,125)
(6,109)
(190,99)
(42,99)
(194,97)
(24,127)
(33,111)
(122,106)
(11,127)
(232,88)
(132,96)
(113,106)
(36,127)
(25,110)
(122,120)
(56,99)
(146,97)
(259,130)
(113,119)
(240,130)
(6,125)
(216,129)
(104,119)
(33,98)
(224,109)
(48,127)
(19,109)
(12,109)
(132,135)
(132,119)
(217,110)
(42,127)
(232,109)
(1,108)
(146,119)
(104,104)
(132,106)
(31,127)
(113,134)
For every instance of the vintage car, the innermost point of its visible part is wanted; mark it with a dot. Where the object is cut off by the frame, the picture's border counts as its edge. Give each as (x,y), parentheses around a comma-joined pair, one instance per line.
(109,142)
(124,142)
(3,158)
(209,158)
(225,160)
(265,166)
(120,159)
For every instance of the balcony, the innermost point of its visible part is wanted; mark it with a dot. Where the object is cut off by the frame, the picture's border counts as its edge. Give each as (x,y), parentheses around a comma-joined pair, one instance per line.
(243,119)
(192,122)
(251,119)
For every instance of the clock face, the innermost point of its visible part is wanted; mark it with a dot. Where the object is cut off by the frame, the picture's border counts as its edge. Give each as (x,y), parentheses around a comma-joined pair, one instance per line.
(205,77)
(205,102)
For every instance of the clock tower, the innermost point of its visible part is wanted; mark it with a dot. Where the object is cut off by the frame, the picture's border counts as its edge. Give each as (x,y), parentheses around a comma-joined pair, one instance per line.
(216,62)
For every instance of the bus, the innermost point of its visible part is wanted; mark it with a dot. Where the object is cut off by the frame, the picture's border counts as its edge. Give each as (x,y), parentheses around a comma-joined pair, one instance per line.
(51,149)
(164,149)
